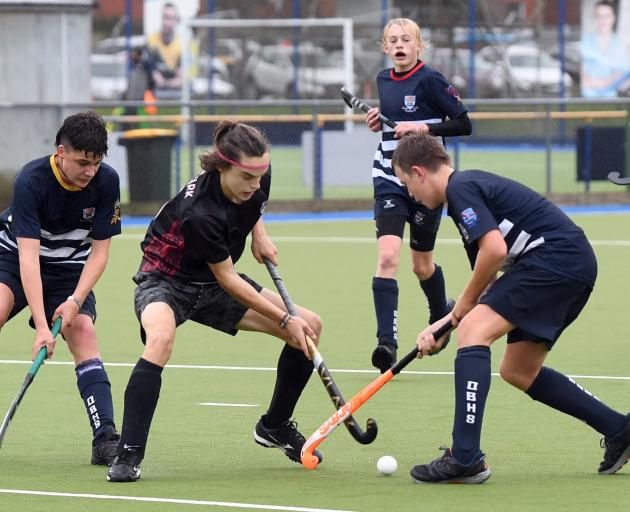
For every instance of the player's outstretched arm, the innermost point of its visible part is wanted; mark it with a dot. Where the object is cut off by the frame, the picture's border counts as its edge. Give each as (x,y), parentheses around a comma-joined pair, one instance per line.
(33,290)
(262,245)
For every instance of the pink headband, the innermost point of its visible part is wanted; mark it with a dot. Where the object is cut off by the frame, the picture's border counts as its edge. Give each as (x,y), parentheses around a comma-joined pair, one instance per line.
(262,167)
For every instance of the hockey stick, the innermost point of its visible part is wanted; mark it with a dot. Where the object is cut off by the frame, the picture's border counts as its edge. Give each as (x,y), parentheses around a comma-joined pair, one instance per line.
(308,459)
(352,101)
(333,391)
(41,355)
(616,178)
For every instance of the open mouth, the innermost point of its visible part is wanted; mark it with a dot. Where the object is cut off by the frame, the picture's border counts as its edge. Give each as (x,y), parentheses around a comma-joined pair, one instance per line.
(401,55)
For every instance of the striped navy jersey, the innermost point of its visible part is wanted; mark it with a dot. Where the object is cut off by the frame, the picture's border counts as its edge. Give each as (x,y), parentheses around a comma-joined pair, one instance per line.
(532,227)
(63,217)
(422,95)
(200,226)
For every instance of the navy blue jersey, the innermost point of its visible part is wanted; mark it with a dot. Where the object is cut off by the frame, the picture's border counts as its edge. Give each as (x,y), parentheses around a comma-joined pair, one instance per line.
(531,226)
(200,226)
(422,95)
(63,217)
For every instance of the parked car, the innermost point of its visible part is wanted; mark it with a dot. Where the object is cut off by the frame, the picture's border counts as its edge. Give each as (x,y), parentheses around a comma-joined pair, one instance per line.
(530,71)
(270,71)
(454,64)
(108,80)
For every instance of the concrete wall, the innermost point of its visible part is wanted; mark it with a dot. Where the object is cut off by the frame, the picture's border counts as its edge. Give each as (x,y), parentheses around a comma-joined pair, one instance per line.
(45,56)
(347,157)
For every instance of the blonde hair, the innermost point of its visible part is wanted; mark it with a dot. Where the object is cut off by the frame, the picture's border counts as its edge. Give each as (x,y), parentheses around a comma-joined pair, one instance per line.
(409,26)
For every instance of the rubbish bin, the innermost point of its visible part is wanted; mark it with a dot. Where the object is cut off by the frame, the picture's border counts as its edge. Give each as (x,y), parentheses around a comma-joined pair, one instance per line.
(149,163)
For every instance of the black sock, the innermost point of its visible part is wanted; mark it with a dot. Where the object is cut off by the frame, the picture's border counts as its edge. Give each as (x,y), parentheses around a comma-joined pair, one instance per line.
(472,384)
(385,293)
(560,392)
(294,371)
(96,392)
(435,291)
(141,396)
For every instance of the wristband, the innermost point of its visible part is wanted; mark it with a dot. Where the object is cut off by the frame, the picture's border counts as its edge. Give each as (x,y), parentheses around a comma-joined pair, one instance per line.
(285,320)
(75,300)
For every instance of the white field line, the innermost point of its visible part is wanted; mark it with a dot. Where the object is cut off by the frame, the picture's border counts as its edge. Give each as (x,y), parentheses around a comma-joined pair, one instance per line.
(148,499)
(220,404)
(273,369)
(371,240)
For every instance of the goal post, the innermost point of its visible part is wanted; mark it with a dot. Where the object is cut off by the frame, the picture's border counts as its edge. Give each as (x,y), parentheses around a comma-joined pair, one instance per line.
(344,24)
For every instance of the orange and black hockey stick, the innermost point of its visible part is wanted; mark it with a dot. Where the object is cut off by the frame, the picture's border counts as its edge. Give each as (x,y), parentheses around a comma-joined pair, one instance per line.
(333,391)
(308,459)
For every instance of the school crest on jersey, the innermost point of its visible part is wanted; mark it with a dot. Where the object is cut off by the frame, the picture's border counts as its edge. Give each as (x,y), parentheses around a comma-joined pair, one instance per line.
(451,91)
(88,213)
(410,104)
(469,216)
(116,217)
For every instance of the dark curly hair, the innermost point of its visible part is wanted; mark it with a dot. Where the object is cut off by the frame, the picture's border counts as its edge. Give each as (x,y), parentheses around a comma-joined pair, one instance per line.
(234,140)
(84,131)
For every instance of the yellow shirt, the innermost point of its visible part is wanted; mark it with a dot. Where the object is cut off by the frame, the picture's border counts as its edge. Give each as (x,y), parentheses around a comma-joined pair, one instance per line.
(170,53)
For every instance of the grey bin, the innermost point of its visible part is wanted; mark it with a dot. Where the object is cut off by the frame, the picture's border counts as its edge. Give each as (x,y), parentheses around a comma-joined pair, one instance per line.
(149,163)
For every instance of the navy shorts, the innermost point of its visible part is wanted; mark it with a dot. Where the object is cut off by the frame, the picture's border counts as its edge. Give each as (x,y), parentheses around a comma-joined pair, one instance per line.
(207,304)
(57,285)
(541,304)
(393,211)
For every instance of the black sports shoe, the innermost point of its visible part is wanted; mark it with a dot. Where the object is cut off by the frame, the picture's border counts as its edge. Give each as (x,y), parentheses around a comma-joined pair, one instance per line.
(126,467)
(617,451)
(447,470)
(104,447)
(286,437)
(384,355)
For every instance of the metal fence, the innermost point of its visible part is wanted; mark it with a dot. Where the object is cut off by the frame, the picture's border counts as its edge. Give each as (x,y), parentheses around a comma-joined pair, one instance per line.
(323,152)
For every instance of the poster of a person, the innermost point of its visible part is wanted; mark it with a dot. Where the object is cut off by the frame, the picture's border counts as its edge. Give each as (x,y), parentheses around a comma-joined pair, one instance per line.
(605,46)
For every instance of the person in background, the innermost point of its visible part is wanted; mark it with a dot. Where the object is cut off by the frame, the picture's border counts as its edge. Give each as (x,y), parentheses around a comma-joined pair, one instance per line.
(140,87)
(54,247)
(165,51)
(420,99)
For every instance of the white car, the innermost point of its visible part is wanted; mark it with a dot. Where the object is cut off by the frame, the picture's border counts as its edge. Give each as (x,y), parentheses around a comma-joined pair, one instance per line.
(529,71)
(270,72)
(108,79)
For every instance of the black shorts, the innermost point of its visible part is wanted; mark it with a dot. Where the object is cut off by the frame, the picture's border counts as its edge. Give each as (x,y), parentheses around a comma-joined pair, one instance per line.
(392,211)
(207,304)
(540,303)
(57,285)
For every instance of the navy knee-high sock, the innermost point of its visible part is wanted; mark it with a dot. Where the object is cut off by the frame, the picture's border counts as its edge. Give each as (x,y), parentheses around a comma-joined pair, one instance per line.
(560,392)
(434,289)
(96,393)
(385,293)
(472,384)
(294,371)
(141,397)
